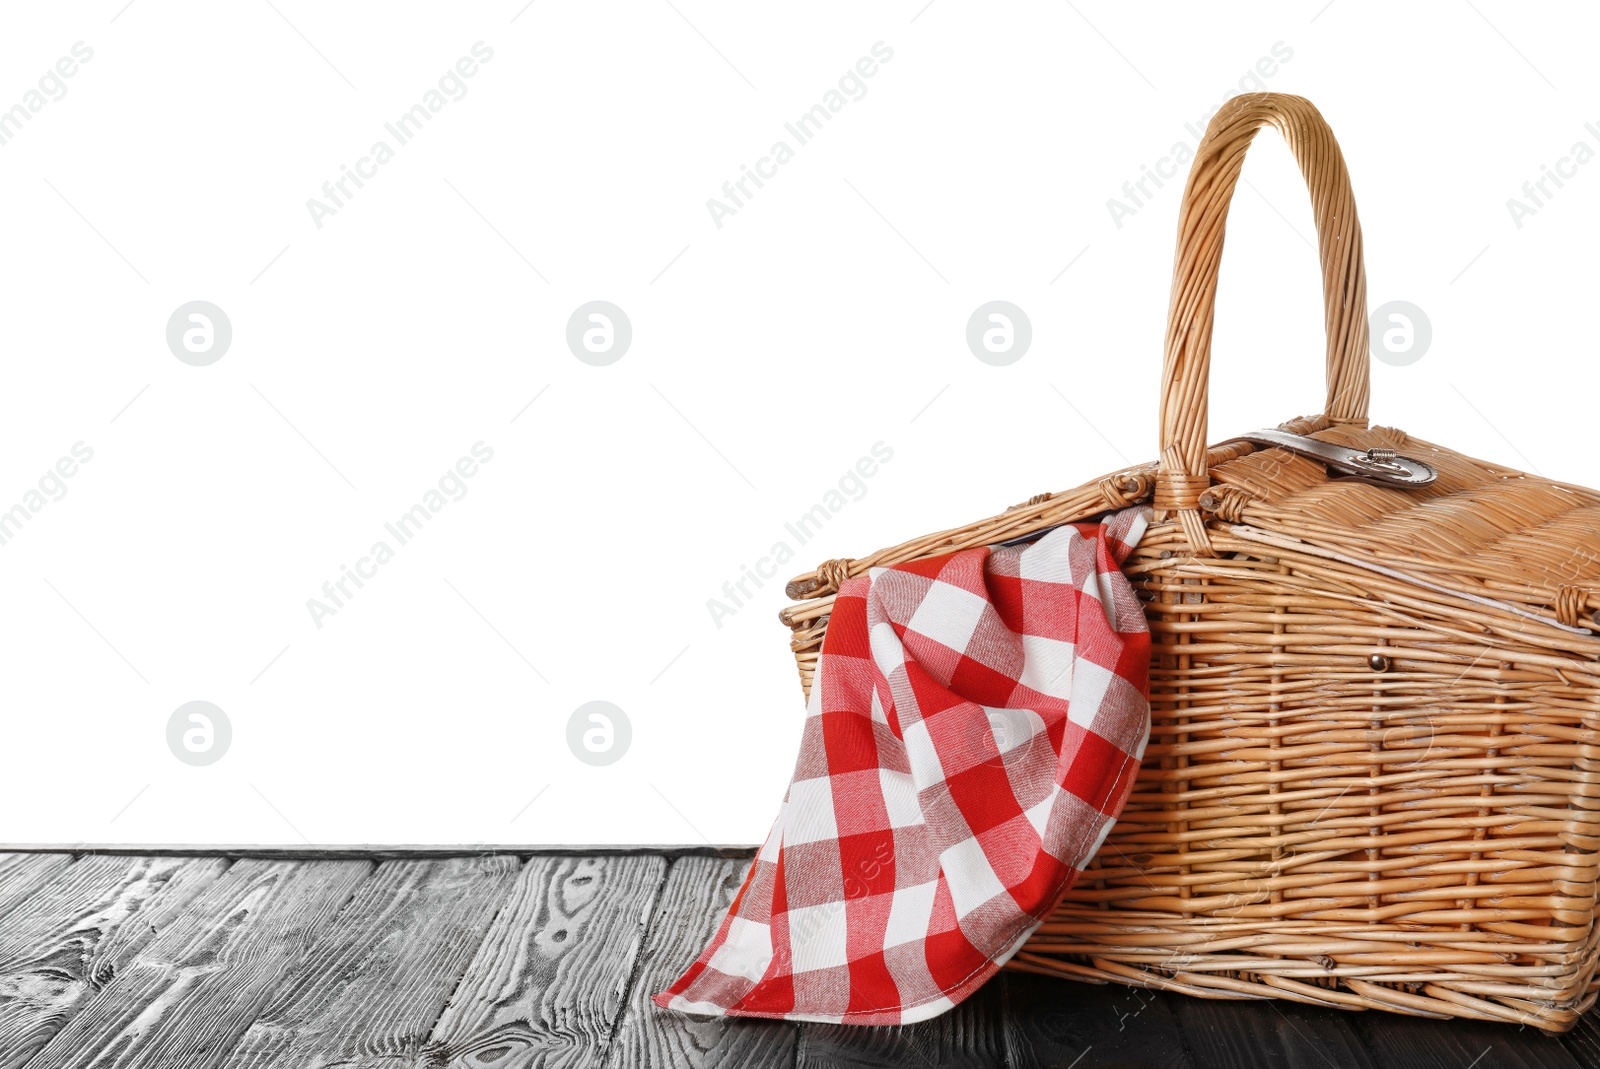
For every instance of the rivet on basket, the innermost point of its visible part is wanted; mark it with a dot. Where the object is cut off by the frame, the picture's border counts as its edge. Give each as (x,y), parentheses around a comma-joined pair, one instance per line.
(1378,662)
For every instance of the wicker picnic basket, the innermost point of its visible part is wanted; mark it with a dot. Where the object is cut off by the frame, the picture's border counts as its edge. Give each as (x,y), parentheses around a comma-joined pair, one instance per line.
(1372,773)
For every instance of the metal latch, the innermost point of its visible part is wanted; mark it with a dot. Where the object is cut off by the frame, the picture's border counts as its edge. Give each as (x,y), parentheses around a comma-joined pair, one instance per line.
(1377,464)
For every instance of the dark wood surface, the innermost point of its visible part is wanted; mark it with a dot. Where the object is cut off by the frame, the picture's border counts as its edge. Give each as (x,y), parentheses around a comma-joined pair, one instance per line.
(457,958)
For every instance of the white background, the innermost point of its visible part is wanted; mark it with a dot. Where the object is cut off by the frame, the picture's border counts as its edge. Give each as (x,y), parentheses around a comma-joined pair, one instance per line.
(827,315)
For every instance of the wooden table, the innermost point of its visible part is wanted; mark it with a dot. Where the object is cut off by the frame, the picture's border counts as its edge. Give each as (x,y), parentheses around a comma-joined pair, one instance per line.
(497,958)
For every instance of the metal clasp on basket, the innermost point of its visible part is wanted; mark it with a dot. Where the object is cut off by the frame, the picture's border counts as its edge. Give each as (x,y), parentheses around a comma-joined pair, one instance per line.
(1377,464)
(1380,459)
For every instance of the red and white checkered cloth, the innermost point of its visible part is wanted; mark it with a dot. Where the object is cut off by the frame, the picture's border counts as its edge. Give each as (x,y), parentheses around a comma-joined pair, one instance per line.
(976,722)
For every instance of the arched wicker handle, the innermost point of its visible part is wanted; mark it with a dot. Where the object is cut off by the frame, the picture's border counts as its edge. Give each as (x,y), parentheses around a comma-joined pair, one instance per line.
(1185,387)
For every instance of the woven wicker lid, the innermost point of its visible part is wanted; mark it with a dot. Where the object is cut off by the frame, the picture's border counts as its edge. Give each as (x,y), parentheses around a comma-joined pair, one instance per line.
(1482,529)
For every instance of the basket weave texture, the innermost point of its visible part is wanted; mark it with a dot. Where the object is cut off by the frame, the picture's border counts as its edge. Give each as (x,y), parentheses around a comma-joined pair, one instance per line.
(1372,774)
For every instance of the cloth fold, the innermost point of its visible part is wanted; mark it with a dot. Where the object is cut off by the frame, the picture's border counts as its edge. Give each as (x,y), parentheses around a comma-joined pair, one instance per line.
(975,725)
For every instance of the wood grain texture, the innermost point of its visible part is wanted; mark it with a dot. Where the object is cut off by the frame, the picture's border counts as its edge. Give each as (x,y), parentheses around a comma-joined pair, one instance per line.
(70,936)
(696,895)
(21,874)
(1396,1041)
(1245,1034)
(1052,1023)
(970,1036)
(372,852)
(550,978)
(477,963)
(371,989)
(1583,1042)
(185,999)
(171,902)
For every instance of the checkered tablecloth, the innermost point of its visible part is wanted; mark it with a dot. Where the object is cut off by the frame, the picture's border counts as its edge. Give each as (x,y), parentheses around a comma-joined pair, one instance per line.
(975,725)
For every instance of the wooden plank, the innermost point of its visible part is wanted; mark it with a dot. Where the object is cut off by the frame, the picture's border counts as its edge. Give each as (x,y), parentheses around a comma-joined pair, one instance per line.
(1055,1022)
(550,977)
(115,962)
(370,990)
(1395,1040)
(971,1036)
(68,939)
(185,999)
(368,852)
(123,942)
(23,873)
(697,893)
(1583,1042)
(1252,1033)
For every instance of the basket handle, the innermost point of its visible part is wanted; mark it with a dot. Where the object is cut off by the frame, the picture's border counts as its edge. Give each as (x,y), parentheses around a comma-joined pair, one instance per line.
(1185,386)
